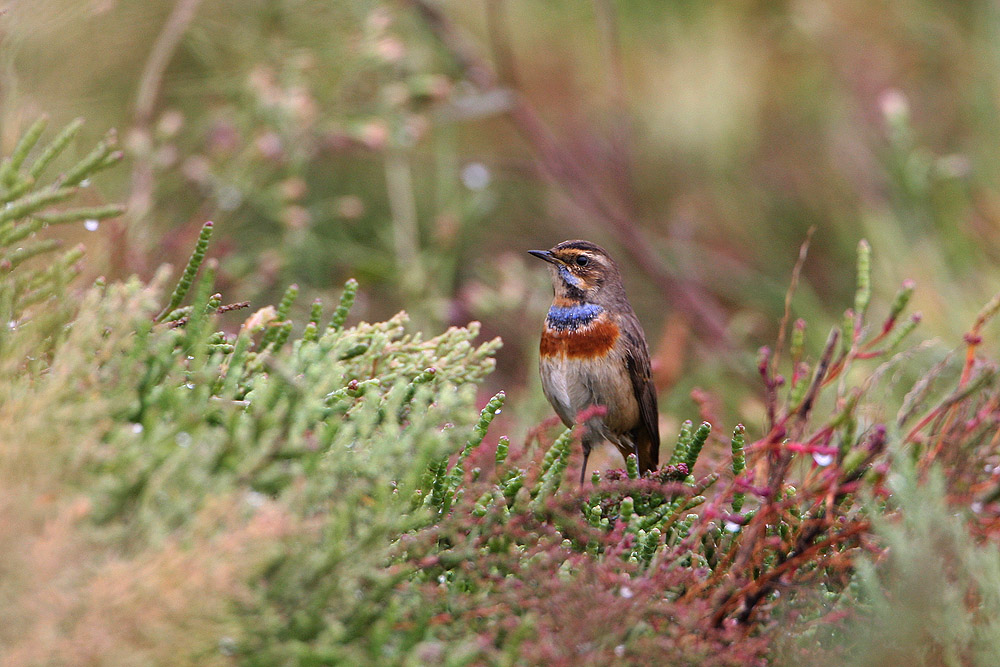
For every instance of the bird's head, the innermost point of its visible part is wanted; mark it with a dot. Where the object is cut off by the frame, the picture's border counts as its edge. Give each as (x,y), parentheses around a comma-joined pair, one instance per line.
(582,271)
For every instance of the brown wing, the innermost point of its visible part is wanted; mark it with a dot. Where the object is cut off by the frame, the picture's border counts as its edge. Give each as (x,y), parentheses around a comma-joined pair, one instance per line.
(647,433)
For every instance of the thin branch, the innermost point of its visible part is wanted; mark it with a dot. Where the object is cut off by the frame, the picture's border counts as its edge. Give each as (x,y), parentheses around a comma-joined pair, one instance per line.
(621,127)
(503,54)
(141,198)
(405,225)
(753,592)
(824,365)
(792,286)
(574,176)
(163,50)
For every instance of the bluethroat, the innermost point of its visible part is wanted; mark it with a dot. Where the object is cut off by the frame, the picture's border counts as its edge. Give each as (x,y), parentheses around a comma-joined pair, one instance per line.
(594,353)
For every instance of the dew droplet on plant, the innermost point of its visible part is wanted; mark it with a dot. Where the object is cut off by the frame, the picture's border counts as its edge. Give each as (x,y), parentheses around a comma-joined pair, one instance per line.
(255,498)
(822,460)
(475,176)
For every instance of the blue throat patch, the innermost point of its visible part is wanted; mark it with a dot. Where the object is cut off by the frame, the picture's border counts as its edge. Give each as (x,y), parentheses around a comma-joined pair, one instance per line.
(571,317)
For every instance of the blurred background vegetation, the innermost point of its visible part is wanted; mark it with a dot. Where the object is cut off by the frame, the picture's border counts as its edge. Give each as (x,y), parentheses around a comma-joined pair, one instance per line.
(424,147)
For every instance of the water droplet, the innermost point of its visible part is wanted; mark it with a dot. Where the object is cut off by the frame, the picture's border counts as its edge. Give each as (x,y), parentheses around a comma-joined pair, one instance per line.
(977,507)
(255,498)
(732,526)
(91,225)
(183,439)
(85,183)
(12,324)
(228,646)
(137,428)
(626,592)
(475,176)
(822,460)
(620,651)
(894,104)
(499,411)
(988,467)
(188,385)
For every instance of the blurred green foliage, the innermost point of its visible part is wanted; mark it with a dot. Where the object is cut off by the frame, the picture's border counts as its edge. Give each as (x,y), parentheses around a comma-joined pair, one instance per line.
(178,494)
(915,606)
(146,444)
(699,142)
(340,139)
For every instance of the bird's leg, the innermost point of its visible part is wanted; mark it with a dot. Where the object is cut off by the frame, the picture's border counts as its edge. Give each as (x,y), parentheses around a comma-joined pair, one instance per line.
(590,436)
(586,455)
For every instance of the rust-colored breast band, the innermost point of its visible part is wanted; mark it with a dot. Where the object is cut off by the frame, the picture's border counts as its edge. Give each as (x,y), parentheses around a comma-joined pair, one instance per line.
(585,342)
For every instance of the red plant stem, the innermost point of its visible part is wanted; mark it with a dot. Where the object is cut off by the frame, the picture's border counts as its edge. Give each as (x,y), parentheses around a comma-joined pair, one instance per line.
(821,371)
(974,337)
(793,284)
(756,589)
(928,418)
(770,386)
(987,412)
(945,405)
(973,340)
(939,445)
(807,448)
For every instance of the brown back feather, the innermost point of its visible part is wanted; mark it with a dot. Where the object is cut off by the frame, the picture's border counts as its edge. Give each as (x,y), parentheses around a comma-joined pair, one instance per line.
(646,434)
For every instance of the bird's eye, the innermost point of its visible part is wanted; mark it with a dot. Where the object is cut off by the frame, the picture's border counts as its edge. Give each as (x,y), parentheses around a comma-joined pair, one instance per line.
(582,260)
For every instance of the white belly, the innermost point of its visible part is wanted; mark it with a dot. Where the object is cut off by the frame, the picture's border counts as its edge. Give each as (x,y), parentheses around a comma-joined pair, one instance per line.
(574,385)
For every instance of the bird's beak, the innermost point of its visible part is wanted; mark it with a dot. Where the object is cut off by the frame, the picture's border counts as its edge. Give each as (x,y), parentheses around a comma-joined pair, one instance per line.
(544,254)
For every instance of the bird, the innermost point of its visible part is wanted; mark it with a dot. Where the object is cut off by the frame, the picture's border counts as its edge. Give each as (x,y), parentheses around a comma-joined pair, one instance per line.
(593,352)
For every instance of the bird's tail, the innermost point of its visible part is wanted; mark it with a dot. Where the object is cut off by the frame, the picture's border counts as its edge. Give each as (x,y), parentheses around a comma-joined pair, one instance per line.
(649,450)
(646,448)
